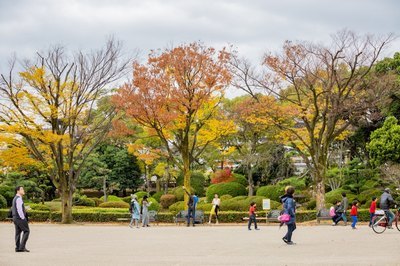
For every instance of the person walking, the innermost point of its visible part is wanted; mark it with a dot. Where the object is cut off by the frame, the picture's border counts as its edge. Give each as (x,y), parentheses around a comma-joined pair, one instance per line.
(372,209)
(20,219)
(145,211)
(253,215)
(353,214)
(191,208)
(385,204)
(215,208)
(135,211)
(344,206)
(289,207)
(338,213)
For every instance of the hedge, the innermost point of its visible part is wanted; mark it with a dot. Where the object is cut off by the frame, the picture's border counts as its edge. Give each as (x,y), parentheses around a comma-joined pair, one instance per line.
(98,215)
(114,204)
(140,194)
(272,192)
(157,195)
(112,198)
(231,188)
(83,201)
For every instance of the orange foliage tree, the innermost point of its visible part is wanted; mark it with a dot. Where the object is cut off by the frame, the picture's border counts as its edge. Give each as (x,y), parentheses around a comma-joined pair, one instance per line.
(177,94)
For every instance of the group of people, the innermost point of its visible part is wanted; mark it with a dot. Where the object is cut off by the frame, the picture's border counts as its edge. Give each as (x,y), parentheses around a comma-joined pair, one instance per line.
(338,212)
(139,211)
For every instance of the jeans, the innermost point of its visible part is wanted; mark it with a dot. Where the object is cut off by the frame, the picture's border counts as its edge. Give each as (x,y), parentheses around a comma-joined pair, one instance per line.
(21,226)
(252,219)
(191,213)
(390,215)
(371,217)
(355,220)
(344,217)
(291,228)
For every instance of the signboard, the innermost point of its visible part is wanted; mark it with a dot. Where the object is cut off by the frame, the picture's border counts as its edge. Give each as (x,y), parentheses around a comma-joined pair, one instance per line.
(266,204)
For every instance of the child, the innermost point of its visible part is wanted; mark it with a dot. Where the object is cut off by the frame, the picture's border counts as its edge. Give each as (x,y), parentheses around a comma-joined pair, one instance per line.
(372,210)
(353,214)
(252,215)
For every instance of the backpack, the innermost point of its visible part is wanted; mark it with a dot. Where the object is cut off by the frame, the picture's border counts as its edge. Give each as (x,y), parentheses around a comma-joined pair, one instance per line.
(332,211)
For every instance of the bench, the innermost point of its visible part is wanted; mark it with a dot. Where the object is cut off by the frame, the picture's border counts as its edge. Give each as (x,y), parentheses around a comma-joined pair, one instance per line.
(152,217)
(182,217)
(323,214)
(273,215)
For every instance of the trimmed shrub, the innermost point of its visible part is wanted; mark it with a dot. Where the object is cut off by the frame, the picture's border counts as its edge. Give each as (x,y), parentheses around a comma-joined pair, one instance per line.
(157,196)
(241,179)
(114,204)
(8,193)
(155,206)
(179,193)
(243,204)
(112,198)
(97,201)
(272,192)
(83,201)
(167,200)
(38,207)
(127,199)
(296,182)
(141,194)
(232,188)
(225,197)
(336,194)
(177,207)
(3,202)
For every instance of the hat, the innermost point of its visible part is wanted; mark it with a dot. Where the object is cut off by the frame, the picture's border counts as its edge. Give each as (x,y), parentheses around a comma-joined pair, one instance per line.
(133,196)
(387,190)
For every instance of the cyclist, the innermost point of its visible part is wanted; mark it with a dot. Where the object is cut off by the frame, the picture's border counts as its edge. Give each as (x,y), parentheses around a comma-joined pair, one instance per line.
(385,204)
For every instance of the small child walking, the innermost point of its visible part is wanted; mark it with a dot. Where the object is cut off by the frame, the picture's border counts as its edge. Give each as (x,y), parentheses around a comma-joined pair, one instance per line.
(353,214)
(372,209)
(252,215)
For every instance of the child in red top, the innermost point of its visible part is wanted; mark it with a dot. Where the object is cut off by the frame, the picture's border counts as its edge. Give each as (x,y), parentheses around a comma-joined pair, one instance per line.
(353,214)
(372,210)
(252,215)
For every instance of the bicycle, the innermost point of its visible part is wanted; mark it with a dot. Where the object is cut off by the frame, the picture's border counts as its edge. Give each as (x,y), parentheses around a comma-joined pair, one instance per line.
(380,222)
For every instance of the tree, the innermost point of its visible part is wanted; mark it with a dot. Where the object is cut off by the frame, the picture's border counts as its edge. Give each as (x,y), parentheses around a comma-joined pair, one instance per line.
(255,130)
(51,107)
(179,91)
(326,87)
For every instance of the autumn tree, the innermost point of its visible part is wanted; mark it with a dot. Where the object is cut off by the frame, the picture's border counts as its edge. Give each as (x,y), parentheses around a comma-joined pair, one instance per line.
(256,131)
(326,87)
(51,107)
(176,93)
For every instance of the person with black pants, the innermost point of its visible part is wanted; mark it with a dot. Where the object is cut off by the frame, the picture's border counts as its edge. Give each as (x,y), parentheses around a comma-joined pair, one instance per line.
(289,207)
(20,220)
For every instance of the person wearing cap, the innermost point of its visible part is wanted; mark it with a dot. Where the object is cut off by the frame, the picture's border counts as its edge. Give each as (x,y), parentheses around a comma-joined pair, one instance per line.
(385,204)
(134,209)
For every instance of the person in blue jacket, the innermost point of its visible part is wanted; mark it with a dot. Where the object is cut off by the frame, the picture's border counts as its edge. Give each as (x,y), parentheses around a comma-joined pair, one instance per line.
(289,207)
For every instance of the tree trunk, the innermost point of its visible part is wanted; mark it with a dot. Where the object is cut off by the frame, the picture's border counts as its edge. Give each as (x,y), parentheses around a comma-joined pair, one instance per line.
(186,174)
(250,180)
(320,195)
(66,205)
(105,189)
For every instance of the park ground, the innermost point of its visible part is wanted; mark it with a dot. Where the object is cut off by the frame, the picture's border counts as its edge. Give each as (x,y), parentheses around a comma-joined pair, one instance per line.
(81,244)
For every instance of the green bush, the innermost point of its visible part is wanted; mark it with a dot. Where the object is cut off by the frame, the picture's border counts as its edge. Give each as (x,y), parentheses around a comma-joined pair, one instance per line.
(158,195)
(3,202)
(336,194)
(272,192)
(114,204)
(198,182)
(311,205)
(112,198)
(38,207)
(243,203)
(225,197)
(141,194)
(8,193)
(231,188)
(167,200)
(179,193)
(97,201)
(83,201)
(127,199)
(296,182)
(155,206)
(177,207)
(241,179)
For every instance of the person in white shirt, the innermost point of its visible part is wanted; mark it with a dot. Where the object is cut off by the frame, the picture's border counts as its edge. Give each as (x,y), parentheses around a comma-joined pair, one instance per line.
(20,219)
(216,202)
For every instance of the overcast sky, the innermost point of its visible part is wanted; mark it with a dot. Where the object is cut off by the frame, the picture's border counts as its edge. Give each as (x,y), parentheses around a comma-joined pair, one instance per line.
(253,26)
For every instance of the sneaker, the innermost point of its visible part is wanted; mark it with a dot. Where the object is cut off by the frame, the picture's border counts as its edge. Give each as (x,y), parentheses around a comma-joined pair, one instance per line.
(249,229)
(130,226)
(390,227)
(291,243)
(333,224)
(353,227)
(284,240)
(257,228)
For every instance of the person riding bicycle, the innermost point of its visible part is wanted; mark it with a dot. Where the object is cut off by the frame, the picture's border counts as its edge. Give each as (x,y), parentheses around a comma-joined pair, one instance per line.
(385,204)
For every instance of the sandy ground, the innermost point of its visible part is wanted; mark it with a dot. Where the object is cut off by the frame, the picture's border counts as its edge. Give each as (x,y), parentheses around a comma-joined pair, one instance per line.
(52,244)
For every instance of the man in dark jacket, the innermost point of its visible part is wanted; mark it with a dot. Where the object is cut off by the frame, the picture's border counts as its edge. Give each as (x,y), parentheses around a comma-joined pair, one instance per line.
(385,204)
(20,220)
(191,206)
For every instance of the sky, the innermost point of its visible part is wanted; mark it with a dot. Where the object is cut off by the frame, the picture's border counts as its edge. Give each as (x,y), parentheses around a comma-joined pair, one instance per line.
(254,27)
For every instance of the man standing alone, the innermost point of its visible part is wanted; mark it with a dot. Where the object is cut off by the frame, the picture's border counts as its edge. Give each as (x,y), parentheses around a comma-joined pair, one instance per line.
(20,220)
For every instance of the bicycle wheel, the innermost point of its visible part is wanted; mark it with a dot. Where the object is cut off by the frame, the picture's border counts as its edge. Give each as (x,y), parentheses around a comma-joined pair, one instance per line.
(397,222)
(379,224)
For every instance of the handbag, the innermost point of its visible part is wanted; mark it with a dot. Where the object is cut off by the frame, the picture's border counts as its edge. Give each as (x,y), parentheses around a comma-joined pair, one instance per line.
(284,218)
